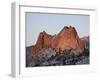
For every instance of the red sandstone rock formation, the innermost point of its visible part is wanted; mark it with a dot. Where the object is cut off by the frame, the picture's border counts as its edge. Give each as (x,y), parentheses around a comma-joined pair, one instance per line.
(67,38)
(44,41)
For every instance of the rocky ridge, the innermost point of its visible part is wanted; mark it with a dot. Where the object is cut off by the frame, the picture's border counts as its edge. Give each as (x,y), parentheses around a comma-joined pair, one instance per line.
(66,39)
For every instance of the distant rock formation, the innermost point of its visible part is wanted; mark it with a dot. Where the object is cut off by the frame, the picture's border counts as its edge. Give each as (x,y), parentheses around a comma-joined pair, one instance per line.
(86,41)
(66,39)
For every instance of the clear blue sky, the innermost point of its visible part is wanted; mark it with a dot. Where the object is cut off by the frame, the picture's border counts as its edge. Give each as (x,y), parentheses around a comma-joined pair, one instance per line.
(53,23)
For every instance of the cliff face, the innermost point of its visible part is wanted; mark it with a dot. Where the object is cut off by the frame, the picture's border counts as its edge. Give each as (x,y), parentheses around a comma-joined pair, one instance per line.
(66,39)
(44,41)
